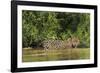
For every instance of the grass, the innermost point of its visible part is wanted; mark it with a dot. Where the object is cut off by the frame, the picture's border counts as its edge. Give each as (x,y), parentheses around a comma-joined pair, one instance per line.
(33,55)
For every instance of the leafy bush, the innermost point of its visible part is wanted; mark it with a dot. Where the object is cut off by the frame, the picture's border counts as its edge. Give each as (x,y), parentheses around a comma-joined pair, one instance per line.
(39,25)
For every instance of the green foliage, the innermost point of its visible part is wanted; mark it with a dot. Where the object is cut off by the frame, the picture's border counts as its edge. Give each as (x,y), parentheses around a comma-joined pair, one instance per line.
(41,25)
